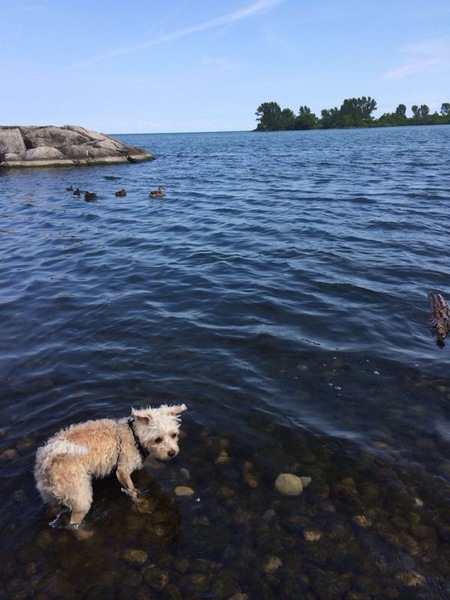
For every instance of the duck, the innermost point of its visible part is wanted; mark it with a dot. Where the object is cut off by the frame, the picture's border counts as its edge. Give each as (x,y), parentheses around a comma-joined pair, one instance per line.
(77,192)
(157,193)
(69,189)
(122,192)
(90,196)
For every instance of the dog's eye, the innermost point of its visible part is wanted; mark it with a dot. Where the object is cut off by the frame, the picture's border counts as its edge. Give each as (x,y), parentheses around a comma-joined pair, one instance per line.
(158,440)
(174,436)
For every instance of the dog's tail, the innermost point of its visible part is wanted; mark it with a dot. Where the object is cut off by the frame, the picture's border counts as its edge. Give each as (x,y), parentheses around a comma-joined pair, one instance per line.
(57,448)
(63,447)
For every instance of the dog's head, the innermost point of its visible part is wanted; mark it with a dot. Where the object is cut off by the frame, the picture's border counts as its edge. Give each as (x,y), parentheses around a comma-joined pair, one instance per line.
(158,429)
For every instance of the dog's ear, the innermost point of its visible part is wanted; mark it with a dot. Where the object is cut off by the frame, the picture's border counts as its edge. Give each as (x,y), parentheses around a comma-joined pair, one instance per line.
(141,416)
(175,410)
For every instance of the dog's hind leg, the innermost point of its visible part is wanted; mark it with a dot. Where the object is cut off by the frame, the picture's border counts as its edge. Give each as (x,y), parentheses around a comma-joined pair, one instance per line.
(80,501)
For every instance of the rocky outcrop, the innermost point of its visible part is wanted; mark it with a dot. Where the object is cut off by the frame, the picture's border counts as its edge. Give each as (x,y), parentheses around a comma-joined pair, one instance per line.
(50,146)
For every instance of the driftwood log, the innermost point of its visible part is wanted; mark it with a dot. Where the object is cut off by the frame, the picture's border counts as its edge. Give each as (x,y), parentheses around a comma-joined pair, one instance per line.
(440,316)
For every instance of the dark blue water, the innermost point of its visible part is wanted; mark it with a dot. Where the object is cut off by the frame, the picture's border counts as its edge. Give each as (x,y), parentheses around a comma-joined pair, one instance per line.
(279,290)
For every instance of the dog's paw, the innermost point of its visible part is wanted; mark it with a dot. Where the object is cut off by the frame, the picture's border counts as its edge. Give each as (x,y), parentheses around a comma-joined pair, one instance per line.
(132,493)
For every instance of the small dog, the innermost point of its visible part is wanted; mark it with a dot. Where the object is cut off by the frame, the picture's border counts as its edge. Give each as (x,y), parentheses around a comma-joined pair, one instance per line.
(66,464)
(440,317)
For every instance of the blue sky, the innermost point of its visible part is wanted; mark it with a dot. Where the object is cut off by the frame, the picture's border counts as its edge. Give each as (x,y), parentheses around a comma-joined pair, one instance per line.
(202,65)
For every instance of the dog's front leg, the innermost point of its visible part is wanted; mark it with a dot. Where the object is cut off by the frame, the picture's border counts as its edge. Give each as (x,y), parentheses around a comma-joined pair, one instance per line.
(125,480)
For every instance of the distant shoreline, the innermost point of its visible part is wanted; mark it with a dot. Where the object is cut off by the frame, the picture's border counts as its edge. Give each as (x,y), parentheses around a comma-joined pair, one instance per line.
(354,113)
(374,126)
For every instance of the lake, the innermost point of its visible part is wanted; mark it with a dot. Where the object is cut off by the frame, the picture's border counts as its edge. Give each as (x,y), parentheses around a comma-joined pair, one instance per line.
(279,289)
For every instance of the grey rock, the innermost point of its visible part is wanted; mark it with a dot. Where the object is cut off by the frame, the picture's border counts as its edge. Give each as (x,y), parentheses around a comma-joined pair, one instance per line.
(11,141)
(44,153)
(49,146)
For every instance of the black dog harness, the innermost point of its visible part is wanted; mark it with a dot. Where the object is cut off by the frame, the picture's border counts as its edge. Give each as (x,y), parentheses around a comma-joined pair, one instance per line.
(142,451)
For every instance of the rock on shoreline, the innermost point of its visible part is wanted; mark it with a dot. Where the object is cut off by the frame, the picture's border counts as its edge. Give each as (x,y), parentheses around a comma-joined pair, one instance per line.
(71,145)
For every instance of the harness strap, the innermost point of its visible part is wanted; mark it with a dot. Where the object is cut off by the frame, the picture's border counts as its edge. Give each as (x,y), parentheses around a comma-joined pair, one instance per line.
(140,448)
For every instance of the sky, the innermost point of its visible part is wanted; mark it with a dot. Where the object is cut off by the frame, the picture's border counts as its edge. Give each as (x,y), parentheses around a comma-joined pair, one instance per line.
(157,66)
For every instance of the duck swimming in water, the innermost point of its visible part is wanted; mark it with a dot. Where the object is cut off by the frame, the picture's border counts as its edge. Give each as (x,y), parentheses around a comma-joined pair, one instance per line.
(121,193)
(77,192)
(157,193)
(90,196)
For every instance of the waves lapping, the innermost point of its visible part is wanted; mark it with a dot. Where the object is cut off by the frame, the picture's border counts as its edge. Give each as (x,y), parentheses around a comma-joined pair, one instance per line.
(279,290)
(326,241)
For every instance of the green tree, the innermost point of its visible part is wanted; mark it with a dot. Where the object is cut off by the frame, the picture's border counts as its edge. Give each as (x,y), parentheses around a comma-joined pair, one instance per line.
(287,119)
(272,118)
(268,114)
(400,115)
(354,112)
(357,112)
(424,111)
(330,118)
(397,118)
(421,114)
(387,120)
(434,119)
(305,118)
(400,111)
(445,109)
(445,112)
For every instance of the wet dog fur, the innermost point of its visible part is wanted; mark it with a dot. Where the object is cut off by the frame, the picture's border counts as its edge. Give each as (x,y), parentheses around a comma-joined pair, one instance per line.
(69,460)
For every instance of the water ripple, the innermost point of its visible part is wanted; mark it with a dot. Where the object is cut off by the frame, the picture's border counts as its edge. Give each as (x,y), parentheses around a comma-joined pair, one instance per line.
(279,289)
(324,241)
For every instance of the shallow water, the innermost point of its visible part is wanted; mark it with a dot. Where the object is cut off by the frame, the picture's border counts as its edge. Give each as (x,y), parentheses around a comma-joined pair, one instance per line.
(279,290)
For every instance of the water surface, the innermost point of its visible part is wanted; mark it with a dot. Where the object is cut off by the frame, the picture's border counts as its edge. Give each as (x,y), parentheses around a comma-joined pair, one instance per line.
(279,290)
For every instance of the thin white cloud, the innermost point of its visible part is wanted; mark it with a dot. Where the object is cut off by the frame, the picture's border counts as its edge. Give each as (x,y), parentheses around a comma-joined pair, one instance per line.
(422,58)
(244,13)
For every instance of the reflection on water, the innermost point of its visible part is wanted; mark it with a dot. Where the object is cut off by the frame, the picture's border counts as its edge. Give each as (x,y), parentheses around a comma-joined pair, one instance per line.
(279,289)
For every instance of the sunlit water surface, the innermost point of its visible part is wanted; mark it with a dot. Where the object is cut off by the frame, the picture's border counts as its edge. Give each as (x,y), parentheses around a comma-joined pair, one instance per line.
(279,290)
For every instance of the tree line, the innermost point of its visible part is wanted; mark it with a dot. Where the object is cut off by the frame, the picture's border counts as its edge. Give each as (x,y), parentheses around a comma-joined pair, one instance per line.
(353,112)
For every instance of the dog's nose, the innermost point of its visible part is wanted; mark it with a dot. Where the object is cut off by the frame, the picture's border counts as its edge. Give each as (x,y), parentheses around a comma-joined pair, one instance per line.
(171,453)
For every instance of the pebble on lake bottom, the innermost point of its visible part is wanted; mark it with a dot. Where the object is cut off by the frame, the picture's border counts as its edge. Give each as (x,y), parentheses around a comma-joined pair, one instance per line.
(312,535)
(223,458)
(291,485)
(184,490)
(272,564)
(135,557)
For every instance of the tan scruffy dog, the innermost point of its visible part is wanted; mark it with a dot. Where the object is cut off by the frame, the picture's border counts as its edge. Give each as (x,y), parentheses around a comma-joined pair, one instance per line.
(68,461)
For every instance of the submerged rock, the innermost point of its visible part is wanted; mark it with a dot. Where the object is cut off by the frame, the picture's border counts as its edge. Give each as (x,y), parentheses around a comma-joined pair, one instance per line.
(272,563)
(50,146)
(184,490)
(135,557)
(155,577)
(291,485)
(312,535)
